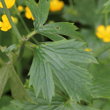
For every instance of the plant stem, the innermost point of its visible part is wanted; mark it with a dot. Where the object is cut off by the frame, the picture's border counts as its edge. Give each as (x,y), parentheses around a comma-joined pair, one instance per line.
(22,47)
(10,20)
(21,19)
(25,26)
(31,34)
(106,19)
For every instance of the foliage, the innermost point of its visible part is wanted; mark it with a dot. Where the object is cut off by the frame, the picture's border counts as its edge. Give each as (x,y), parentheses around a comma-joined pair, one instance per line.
(53,64)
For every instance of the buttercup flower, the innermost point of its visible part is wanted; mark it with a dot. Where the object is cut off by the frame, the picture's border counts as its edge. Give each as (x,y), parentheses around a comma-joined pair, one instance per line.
(20,8)
(9,3)
(5,24)
(56,5)
(28,13)
(88,50)
(103,32)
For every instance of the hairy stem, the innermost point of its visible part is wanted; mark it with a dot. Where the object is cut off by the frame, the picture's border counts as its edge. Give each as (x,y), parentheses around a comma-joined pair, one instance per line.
(10,20)
(21,19)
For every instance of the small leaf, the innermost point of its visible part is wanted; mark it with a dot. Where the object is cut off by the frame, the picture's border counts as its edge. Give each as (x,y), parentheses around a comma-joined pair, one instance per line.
(60,28)
(40,11)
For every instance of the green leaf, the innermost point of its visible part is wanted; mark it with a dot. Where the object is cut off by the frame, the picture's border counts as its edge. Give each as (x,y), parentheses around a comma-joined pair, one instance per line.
(73,51)
(58,103)
(17,88)
(54,30)
(5,104)
(43,7)
(4,101)
(106,7)
(52,36)
(101,80)
(73,106)
(49,59)
(83,11)
(101,104)
(8,73)
(4,75)
(58,29)
(10,107)
(58,106)
(41,77)
(40,11)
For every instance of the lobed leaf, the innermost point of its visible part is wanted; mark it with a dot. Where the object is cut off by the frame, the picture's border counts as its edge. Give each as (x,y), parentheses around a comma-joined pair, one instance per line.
(48,61)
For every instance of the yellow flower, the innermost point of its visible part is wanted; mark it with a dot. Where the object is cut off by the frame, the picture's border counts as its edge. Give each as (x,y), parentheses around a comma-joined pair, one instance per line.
(9,3)
(88,50)
(20,8)
(103,32)
(28,13)
(56,5)
(5,24)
